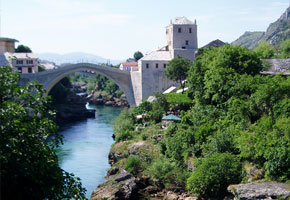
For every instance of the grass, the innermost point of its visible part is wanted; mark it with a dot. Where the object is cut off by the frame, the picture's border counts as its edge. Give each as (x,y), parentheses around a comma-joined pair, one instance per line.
(177,98)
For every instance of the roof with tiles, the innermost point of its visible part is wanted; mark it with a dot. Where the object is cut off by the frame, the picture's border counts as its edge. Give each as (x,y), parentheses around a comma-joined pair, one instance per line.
(129,64)
(158,56)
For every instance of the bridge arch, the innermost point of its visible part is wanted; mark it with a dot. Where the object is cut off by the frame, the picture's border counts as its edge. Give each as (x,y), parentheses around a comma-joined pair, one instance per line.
(50,77)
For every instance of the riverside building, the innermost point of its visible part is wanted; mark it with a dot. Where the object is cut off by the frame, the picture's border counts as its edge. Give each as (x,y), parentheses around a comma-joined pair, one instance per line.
(181,38)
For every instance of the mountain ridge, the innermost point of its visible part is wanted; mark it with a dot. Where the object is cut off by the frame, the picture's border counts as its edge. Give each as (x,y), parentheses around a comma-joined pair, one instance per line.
(276,32)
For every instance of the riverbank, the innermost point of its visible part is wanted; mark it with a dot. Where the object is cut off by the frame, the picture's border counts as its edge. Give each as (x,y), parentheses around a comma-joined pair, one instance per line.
(151,159)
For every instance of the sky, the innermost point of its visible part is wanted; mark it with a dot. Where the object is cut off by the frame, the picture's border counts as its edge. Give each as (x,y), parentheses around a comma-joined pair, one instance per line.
(115,29)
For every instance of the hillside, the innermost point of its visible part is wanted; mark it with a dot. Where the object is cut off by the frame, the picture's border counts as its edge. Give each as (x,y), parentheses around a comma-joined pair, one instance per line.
(276,32)
(76,57)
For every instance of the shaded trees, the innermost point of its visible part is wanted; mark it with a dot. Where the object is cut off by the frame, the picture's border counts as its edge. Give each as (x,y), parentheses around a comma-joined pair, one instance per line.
(29,165)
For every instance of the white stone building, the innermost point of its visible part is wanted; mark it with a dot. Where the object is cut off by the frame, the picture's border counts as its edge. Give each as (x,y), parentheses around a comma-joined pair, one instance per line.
(181,36)
(23,63)
(129,66)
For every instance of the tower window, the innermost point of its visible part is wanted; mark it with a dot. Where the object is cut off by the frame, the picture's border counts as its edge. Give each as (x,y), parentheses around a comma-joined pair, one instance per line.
(186,42)
(190,31)
(156,65)
(164,65)
(179,30)
(147,65)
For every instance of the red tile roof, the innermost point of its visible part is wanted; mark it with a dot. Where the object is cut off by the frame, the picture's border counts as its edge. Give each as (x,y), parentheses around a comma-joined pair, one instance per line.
(129,64)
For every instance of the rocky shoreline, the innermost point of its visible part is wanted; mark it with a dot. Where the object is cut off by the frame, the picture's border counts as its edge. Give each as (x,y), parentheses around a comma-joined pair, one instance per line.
(121,184)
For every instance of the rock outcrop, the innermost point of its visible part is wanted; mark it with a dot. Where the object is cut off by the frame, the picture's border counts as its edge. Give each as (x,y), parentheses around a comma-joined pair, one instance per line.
(101,98)
(255,190)
(276,33)
(118,186)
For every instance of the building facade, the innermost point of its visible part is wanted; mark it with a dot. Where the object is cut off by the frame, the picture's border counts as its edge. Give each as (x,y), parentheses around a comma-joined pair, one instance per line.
(23,63)
(181,37)
(7,45)
(129,66)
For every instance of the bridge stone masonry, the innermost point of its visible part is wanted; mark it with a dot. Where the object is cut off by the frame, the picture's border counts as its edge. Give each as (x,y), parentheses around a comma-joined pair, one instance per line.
(49,78)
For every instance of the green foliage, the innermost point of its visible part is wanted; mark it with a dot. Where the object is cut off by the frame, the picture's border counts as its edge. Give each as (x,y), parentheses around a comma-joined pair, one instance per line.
(178,98)
(166,173)
(133,164)
(212,177)
(41,68)
(138,55)
(123,126)
(29,165)
(264,50)
(217,70)
(98,82)
(23,49)
(177,70)
(285,49)
(61,91)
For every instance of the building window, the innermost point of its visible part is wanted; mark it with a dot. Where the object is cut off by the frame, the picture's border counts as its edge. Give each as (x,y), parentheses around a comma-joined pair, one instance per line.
(179,30)
(186,42)
(147,65)
(30,62)
(29,70)
(19,62)
(164,65)
(183,47)
(156,65)
(19,70)
(190,31)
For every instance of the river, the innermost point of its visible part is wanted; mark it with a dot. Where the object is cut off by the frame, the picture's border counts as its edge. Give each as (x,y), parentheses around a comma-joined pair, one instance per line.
(87,145)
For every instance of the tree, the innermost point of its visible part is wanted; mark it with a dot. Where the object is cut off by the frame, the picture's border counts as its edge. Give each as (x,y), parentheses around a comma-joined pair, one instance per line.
(217,70)
(177,70)
(23,49)
(138,55)
(212,177)
(285,49)
(28,142)
(264,50)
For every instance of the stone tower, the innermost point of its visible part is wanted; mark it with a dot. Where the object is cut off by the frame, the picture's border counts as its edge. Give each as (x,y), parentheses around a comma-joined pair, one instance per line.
(181,38)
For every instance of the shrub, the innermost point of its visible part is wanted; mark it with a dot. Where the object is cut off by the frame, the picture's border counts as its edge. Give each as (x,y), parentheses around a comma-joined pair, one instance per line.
(165,172)
(132,164)
(212,177)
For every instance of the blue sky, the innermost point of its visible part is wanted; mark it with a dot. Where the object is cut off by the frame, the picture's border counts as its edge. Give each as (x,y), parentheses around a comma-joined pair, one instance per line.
(115,29)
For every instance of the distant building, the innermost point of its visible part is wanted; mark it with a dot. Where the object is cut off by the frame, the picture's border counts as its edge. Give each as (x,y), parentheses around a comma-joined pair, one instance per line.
(181,36)
(7,45)
(129,66)
(23,63)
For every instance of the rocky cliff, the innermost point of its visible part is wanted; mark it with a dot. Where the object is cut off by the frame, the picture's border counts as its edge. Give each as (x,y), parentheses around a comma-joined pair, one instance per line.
(276,33)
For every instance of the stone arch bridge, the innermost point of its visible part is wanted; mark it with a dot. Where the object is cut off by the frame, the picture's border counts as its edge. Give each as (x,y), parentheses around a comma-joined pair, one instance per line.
(50,77)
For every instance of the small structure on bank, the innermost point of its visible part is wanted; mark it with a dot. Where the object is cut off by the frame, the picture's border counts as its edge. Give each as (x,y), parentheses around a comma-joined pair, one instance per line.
(171,118)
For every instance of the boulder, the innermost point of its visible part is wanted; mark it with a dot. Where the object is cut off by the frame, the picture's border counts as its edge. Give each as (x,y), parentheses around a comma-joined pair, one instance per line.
(116,187)
(255,190)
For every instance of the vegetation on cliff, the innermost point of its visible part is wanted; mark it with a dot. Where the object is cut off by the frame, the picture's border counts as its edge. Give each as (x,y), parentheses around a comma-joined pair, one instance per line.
(236,118)
(29,165)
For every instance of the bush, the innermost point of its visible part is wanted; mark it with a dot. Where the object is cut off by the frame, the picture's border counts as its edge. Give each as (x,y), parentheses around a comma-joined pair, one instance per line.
(212,177)
(166,173)
(132,164)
